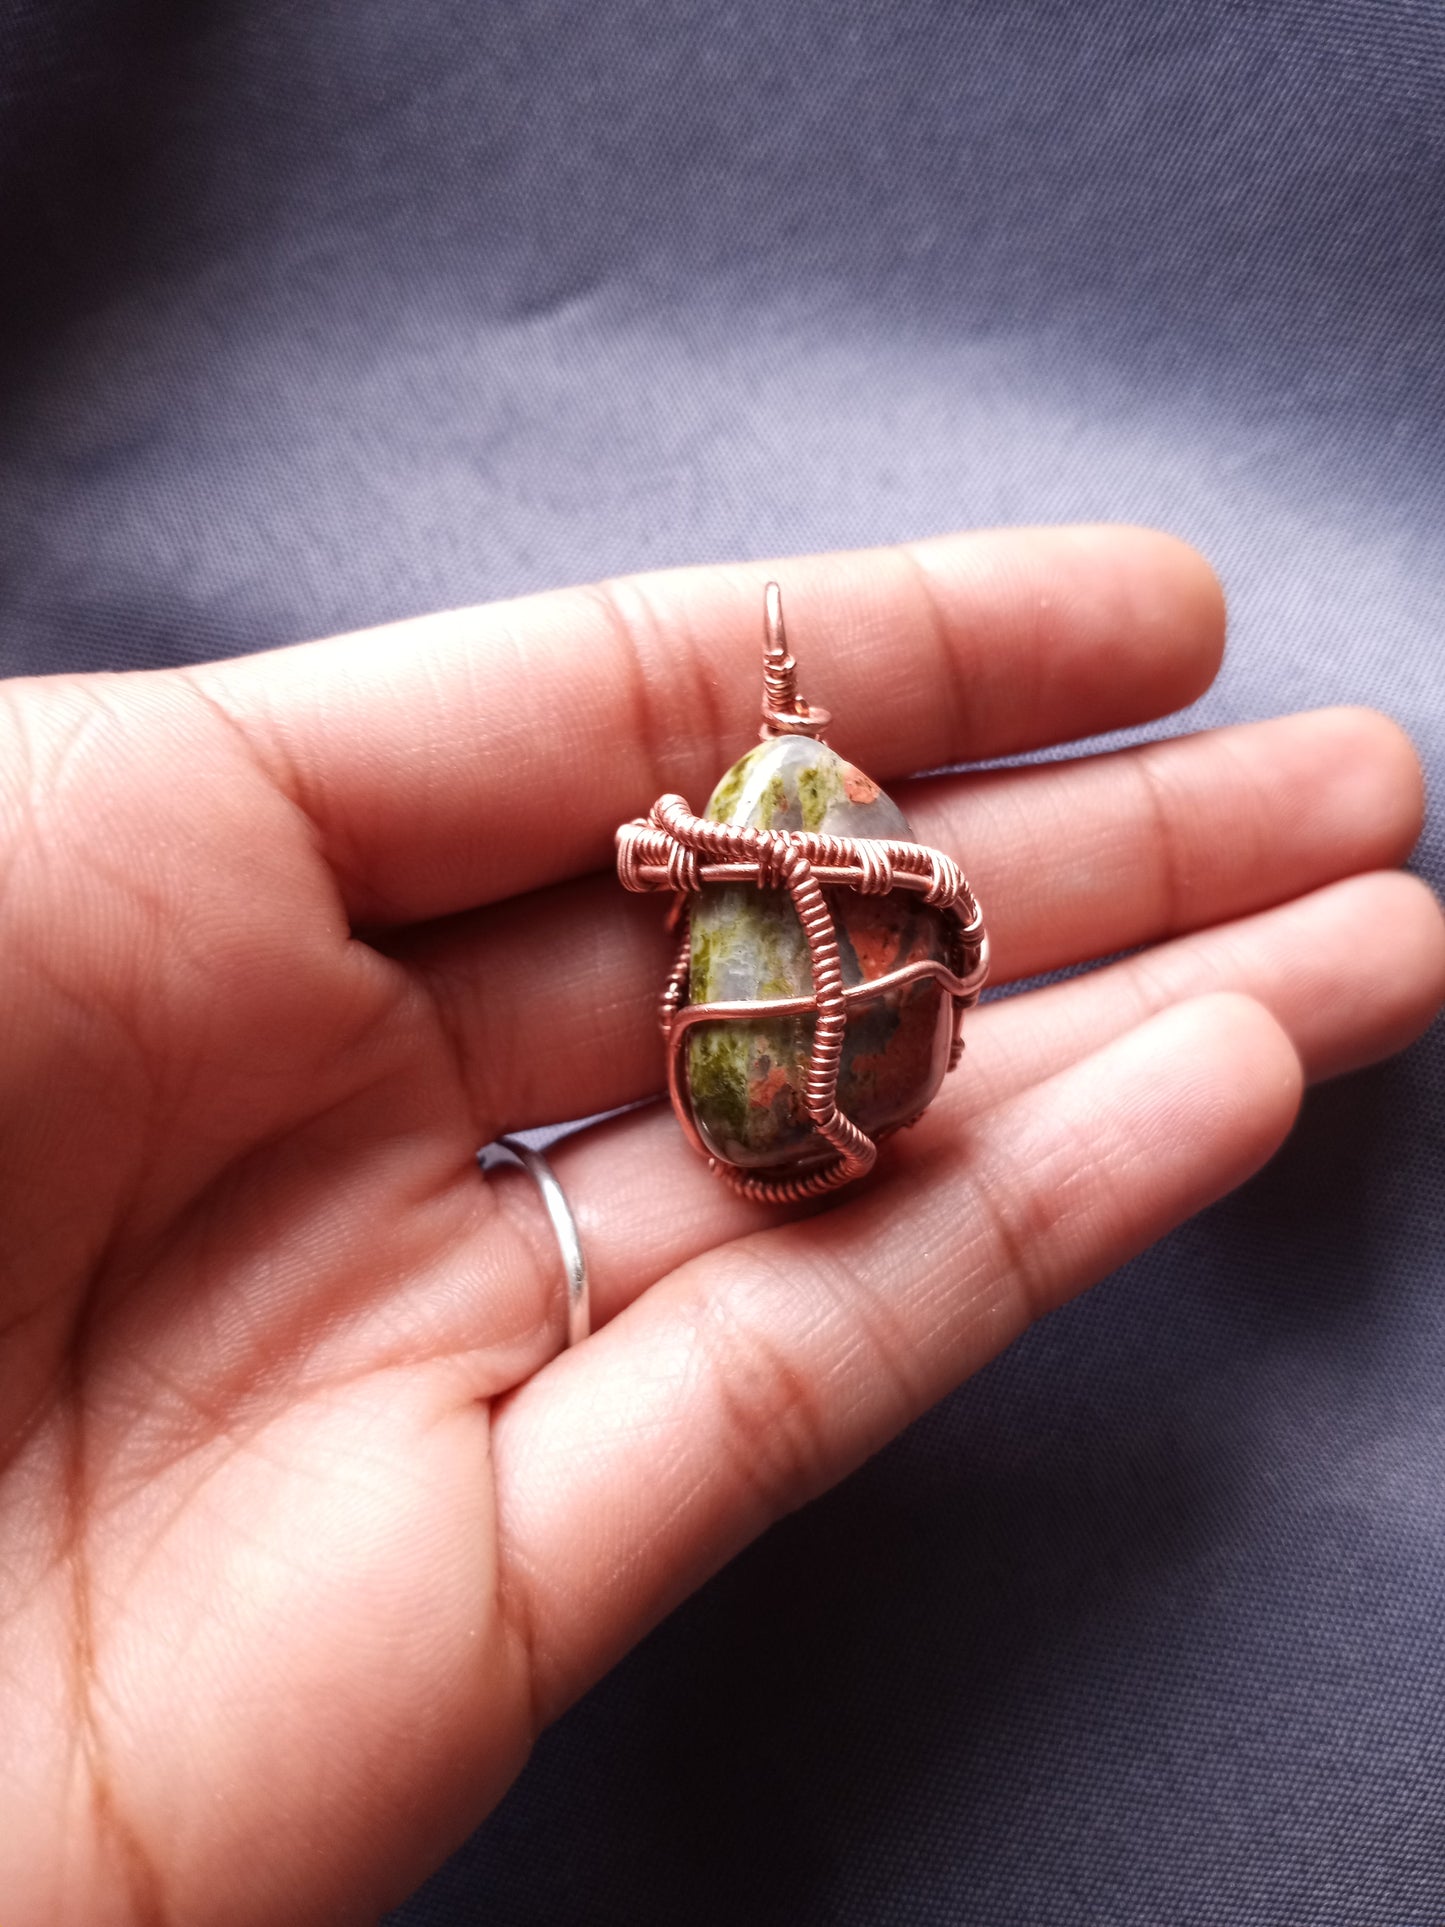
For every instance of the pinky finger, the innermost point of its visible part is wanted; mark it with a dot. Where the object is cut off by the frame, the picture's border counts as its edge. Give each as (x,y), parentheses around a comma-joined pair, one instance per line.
(753,1377)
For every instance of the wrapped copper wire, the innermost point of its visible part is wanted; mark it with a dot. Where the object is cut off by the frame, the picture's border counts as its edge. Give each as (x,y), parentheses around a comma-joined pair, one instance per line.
(673,850)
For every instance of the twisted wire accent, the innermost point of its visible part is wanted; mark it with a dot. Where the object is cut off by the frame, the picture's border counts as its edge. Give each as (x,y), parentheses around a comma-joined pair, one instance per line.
(672,849)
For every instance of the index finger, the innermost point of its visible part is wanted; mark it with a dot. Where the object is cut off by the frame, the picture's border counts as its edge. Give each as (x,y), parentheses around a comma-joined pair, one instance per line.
(459,758)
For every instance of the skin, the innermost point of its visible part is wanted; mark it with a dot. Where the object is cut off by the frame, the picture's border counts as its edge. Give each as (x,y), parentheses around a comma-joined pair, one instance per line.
(305,1525)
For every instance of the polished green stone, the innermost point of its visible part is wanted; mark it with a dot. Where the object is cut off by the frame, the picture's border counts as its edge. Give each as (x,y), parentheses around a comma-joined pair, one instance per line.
(746,1079)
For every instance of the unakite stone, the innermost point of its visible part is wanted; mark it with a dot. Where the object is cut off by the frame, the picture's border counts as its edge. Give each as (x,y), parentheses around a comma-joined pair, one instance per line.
(746,1079)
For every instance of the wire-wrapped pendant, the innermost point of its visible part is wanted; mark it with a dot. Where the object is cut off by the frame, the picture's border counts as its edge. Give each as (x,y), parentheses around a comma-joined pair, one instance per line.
(826,958)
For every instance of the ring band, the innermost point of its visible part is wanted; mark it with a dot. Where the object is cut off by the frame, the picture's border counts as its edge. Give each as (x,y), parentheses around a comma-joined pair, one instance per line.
(579,1297)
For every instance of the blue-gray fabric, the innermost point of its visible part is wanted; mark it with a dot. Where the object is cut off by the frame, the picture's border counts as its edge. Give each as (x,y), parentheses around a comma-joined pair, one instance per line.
(315,316)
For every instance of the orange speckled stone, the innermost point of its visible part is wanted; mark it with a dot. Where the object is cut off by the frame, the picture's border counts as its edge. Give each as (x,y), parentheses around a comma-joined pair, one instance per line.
(746,1079)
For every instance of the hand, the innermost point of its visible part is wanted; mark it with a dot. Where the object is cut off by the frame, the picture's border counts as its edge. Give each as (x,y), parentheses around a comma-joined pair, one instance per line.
(305,1525)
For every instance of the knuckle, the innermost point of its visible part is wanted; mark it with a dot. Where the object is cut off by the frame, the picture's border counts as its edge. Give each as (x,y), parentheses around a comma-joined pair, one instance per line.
(771,1419)
(786,1352)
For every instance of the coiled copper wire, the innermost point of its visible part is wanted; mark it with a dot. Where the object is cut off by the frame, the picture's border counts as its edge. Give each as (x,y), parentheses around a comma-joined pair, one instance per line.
(671,849)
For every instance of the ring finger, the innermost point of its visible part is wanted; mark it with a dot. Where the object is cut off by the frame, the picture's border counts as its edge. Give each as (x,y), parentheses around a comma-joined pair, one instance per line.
(1352,972)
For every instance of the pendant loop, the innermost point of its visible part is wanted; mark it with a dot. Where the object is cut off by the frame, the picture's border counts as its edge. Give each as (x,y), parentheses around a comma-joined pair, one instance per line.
(784,711)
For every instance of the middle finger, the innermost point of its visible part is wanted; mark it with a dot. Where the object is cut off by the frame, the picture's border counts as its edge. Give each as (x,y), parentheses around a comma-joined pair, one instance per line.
(552,998)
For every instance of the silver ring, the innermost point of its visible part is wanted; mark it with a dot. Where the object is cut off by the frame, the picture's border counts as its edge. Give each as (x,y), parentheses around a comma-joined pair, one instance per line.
(579,1297)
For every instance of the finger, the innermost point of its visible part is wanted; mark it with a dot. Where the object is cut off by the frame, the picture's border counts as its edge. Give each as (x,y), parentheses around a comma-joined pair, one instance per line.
(751,1379)
(1110,852)
(1352,972)
(553,1000)
(459,758)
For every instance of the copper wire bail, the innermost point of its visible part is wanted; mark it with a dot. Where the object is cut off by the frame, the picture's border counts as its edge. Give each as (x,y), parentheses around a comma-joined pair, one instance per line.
(671,849)
(784,711)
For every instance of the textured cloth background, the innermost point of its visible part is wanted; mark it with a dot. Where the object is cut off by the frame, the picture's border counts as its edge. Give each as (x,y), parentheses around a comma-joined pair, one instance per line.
(317,315)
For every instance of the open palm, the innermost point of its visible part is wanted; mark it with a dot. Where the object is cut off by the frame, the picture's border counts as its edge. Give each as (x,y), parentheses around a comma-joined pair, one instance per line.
(305,1524)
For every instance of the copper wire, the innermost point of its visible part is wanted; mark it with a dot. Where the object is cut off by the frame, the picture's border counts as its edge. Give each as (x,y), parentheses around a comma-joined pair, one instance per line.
(784,711)
(671,849)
